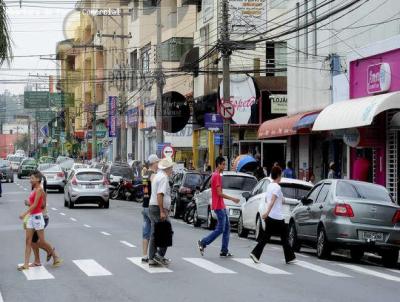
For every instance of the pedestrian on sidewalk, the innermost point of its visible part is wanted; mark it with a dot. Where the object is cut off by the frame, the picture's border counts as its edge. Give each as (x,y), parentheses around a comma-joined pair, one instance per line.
(159,205)
(218,206)
(34,219)
(147,181)
(36,243)
(273,217)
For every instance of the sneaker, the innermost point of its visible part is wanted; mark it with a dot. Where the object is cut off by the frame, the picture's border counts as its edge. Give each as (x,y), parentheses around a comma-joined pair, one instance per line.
(293,261)
(159,260)
(225,254)
(145,260)
(153,263)
(254,258)
(201,247)
(165,261)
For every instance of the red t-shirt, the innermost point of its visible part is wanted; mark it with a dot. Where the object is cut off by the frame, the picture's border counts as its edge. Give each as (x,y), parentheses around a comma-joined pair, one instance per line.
(38,208)
(217,201)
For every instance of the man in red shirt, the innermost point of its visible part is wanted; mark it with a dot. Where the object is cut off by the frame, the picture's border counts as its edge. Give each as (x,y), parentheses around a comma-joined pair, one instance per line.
(218,206)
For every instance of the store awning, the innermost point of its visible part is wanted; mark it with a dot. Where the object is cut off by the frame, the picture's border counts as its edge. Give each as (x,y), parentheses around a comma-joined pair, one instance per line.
(306,122)
(279,127)
(356,112)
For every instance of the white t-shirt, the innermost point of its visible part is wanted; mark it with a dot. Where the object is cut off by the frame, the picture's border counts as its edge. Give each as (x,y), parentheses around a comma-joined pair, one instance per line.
(276,211)
(160,184)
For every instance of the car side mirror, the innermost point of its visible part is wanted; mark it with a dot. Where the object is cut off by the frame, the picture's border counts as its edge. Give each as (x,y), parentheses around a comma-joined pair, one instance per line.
(246,195)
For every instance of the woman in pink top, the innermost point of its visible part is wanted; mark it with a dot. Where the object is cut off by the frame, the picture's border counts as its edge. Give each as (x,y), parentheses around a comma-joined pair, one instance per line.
(35,222)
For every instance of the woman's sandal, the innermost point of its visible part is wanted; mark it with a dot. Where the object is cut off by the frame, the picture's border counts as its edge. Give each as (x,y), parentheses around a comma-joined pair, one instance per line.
(58,262)
(50,255)
(22,268)
(35,264)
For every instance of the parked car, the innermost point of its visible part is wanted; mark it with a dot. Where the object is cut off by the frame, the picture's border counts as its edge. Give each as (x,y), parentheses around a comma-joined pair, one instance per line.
(27,167)
(65,163)
(234,184)
(250,219)
(76,166)
(47,160)
(86,186)
(55,176)
(348,214)
(6,171)
(20,153)
(97,165)
(15,161)
(183,186)
(114,171)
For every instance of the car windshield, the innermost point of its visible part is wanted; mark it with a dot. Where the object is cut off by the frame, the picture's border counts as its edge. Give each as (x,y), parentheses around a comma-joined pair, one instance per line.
(49,168)
(67,164)
(4,163)
(193,180)
(17,159)
(243,183)
(29,162)
(123,171)
(362,191)
(294,191)
(89,176)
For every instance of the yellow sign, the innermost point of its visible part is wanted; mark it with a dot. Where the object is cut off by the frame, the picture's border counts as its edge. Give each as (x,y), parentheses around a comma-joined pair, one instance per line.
(68,146)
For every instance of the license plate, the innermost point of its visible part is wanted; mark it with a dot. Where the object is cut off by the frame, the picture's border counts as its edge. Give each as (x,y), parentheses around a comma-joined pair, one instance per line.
(89,186)
(372,236)
(234,212)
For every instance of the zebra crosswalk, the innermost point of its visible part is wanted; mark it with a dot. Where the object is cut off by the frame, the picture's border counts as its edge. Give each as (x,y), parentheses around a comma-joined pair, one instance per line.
(234,266)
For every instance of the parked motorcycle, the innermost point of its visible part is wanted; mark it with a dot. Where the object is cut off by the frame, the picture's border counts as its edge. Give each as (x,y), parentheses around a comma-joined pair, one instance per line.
(122,190)
(190,210)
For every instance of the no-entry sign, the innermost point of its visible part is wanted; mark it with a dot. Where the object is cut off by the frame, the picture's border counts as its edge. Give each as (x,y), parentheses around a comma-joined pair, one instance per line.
(168,151)
(226,110)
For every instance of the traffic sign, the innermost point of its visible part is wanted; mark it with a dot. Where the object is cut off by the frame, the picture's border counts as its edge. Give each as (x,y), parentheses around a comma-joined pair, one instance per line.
(168,151)
(227,110)
(36,99)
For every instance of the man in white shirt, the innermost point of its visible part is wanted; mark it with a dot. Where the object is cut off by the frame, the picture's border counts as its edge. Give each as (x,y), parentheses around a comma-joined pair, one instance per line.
(159,205)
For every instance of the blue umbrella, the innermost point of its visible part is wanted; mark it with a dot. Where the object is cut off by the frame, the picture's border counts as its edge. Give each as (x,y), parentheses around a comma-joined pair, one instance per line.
(244,161)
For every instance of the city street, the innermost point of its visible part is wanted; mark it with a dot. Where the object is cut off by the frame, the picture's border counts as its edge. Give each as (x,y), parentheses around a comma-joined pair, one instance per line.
(101,249)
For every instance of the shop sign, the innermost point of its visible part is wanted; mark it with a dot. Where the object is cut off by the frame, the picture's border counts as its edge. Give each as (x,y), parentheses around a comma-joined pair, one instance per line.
(100,134)
(149,116)
(175,111)
(133,117)
(112,116)
(218,139)
(247,16)
(351,137)
(207,10)
(278,103)
(203,139)
(250,135)
(379,78)
(213,122)
(243,98)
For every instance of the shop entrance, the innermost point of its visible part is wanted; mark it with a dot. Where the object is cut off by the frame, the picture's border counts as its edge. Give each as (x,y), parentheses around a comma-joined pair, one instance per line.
(273,151)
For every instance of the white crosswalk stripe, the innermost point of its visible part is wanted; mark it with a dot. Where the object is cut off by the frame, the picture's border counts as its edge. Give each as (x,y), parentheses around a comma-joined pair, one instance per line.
(369,272)
(91,268)
(1,298)
(394,271)
(320,269)
(209,266)
(152,270)
(37,273)
(262,267)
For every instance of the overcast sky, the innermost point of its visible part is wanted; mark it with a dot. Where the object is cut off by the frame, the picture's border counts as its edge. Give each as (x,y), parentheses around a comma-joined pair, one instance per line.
(35,31)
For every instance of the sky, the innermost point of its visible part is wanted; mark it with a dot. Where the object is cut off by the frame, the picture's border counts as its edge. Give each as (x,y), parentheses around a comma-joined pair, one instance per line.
(34,31)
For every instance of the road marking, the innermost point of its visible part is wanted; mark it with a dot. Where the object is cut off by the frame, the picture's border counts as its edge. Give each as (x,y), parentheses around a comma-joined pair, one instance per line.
(370,272)
(91,268)
(152,270)
(105,233)
(1,298)
(54,209)
(37,273)
(301,255)
(394,271)
(25,189)
(62,214)
(209,266)
(320,269)
(127,243)
(72,218)
(261,267)
(275,248)
(87,226)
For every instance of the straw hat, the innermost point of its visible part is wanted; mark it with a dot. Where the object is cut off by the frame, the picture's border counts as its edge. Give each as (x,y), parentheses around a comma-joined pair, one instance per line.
(153,158)
(165,164)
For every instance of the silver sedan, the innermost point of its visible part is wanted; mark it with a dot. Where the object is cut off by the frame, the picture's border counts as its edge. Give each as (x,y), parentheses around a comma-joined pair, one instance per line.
(348,214)
(55,177)
(86,186)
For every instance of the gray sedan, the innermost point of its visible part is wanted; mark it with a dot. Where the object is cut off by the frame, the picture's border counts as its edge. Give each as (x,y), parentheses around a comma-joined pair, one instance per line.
(6,171)
(86,186)
(348,214)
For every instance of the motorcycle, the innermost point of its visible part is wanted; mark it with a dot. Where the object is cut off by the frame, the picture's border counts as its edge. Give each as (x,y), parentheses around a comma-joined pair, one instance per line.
(137,192)
(190,210)
(122,189)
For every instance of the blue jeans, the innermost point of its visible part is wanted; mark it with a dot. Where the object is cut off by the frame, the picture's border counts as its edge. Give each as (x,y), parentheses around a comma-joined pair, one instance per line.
(223,227)
(146,229)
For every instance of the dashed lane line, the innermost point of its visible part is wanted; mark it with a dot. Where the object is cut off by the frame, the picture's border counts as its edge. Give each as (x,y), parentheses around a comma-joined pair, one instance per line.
(54,209)
(87,226)
(1,298)
(127,243)
(105,233)
(62,214)
(73,219)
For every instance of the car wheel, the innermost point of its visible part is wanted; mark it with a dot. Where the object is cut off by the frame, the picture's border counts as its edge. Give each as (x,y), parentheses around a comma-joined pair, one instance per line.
(106,205)
(71,204)
(242,231)
(323,249)
(259,229)
(390,258)
(175,209)
(12,180)
(61,190)
(114,194)
(196,220)
(210,221)
(294,242)
(356,254)
(65,202)
(19,176)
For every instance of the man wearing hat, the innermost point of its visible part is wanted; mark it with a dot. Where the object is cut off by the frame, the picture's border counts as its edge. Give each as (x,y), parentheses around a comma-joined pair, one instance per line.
(332,170)
(147,180)
(159,205)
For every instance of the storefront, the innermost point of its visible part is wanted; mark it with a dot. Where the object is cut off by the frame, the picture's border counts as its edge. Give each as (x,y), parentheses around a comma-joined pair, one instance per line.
(368,121)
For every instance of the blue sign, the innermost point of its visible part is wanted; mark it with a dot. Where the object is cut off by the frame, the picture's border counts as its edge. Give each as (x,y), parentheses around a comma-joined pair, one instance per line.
(133,117)
(218,139)
(112,116)
(213,122)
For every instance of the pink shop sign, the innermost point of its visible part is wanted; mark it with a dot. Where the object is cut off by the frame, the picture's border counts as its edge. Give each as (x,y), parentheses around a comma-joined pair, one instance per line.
(378,78)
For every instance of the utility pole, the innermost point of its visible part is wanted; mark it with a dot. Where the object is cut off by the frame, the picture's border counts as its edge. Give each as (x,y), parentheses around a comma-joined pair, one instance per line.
(160,79)
(123,138)
(226,76)
(94,108)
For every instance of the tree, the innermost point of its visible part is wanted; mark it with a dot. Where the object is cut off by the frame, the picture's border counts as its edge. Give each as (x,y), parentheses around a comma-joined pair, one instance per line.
(5,38)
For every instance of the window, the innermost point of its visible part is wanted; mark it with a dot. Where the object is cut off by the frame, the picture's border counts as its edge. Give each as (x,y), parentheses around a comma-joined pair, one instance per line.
(314,193)
(149,6)
(89,176)
(324,193)
(134,69)
(192,180)
(238,183)
(276,58)
(362,191)
(257,188)
(174,48)
(294,191)
(144,64)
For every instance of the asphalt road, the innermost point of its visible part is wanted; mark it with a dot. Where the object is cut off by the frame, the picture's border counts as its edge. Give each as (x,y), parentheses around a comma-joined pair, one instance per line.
(101,249)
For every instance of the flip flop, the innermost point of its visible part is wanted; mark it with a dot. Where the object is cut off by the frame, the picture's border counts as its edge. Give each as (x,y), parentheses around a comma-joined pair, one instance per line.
(50,255)
(22,268)
(35,264)
(58,262)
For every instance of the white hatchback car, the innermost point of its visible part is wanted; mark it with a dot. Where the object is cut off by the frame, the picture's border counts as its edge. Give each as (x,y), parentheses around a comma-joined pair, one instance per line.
(250,219)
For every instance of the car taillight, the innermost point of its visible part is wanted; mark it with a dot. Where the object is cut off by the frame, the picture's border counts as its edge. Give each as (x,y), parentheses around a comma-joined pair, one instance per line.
(344,210)
(74,182)
(396,217)
(185,190)
(60,174)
